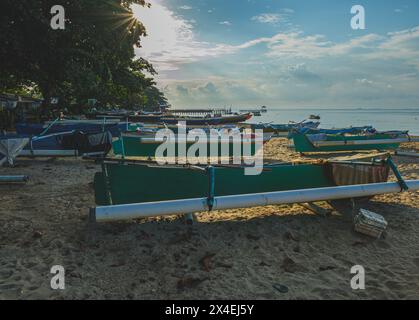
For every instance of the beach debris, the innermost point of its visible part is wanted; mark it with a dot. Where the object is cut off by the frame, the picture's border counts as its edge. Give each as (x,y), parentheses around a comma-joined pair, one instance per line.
(181,237)
(316,209)
(119,263)
(370,223)
(326,268)
(252,237)
(206,261)
(264,264)
(280,288)
(37,234)
(290,235)
(189,282)
(224,265)
(143,236)
(359,244)
(289,265)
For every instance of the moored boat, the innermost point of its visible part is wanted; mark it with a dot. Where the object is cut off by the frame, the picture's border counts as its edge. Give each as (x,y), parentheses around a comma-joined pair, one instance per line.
(314,117)
(191,121)
(146,145)
(324,142)
(62,144)
(282,130)
(59,126)
(125,182)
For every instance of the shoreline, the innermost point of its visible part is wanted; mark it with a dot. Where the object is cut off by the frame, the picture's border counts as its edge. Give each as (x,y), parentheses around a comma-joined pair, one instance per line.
(240,253)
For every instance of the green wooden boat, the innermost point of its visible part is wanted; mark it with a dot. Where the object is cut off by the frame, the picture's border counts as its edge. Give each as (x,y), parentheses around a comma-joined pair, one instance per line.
(133,145)
(341,142)
(126,182)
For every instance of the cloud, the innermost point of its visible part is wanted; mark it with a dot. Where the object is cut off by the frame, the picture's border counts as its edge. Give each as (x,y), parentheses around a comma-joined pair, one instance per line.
(268,18)
(172,44)
(301,72)
(209,89)
(274,18)
(182,90)
(225,23)
(185,7)
(364,81)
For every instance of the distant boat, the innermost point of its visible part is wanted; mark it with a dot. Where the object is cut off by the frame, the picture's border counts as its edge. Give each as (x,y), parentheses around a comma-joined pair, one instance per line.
(282,130)
(340,142)
(256,112)
(314,117)
(191,121)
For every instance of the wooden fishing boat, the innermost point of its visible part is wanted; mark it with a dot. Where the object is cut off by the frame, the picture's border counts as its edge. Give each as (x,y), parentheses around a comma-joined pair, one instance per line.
(59,126)
(139,145)
(347,142)
(62,144)
(340,131)
(116,114)
(191,121)
(282,130)
(127,189)
(125,182)
(314,117)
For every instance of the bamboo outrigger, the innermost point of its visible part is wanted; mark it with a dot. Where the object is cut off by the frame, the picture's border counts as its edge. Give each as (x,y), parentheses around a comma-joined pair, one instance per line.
(130,189)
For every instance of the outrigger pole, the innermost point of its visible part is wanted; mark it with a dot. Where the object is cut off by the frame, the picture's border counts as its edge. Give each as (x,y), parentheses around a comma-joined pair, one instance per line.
(13,179)
(186,206)
(362,142)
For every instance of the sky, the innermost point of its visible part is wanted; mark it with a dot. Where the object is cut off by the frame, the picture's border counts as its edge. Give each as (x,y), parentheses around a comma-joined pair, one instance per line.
(283,53)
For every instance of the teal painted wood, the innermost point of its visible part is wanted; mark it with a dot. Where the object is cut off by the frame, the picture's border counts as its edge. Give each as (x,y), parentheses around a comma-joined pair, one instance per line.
(135,147)
(303,144)
(140,183)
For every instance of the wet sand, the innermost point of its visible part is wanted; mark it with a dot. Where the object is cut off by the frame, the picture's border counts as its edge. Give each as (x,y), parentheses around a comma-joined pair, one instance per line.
(234,254)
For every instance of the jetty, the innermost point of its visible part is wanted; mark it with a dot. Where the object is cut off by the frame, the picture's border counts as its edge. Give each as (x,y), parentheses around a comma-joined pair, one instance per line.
(201,112)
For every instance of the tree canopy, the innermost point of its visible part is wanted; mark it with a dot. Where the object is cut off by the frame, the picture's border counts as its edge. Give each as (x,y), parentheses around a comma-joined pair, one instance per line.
(93,57)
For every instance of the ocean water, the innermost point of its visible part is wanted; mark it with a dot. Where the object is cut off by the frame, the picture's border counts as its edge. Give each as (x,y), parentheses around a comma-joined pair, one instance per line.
(381,119)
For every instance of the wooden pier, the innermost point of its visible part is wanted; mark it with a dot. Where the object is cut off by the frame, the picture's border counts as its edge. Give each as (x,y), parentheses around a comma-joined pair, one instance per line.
(201,112)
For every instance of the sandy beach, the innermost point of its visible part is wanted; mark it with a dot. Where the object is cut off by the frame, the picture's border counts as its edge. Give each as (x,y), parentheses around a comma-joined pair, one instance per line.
(235,254)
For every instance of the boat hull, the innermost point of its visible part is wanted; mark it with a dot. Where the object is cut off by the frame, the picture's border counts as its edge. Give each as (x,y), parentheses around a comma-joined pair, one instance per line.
(64,144)
(345,143)
(36,128)
(191,121)
(125,183)
(137,146)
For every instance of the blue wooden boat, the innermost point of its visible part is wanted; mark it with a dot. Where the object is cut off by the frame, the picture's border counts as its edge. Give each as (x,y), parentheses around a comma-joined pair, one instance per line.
(114,127)
(62,144)
(350,130)
(282,130)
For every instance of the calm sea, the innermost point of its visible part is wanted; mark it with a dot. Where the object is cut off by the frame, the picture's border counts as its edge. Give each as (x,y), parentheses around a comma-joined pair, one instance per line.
(381,119)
